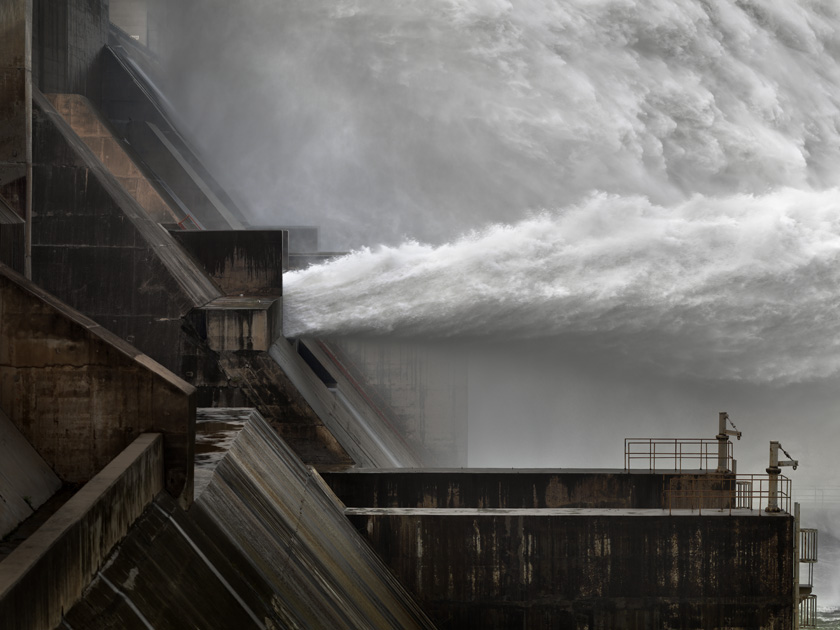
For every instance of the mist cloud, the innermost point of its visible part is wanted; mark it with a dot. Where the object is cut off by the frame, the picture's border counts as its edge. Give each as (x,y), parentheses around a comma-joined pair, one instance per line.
(384,121)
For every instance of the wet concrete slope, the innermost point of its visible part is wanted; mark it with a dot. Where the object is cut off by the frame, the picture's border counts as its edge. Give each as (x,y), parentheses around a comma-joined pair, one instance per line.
(266,545)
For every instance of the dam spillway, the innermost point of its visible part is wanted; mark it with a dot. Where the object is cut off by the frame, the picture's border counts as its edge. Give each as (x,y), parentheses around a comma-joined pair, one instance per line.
(221,474)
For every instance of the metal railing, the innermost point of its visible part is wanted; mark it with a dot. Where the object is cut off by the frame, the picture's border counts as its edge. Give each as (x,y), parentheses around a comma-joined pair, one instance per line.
(808,545)
(727,492)
(819,497)
(808,612)
(674,453)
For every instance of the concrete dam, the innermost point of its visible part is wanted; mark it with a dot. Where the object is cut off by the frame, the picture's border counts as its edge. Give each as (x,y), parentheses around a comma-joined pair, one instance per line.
(170,459)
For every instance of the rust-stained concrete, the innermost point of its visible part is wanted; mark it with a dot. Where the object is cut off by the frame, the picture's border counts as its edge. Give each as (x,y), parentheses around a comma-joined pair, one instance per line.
(47,573)
(80,395)
(15,129)
(239,323)
(596,569)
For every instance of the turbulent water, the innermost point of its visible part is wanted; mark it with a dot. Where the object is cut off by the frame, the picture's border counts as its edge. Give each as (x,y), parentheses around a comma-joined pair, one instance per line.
(651,176)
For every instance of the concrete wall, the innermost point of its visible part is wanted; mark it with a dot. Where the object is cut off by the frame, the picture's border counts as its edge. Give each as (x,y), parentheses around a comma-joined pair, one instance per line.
(46,575)
(265,545)
(132,105)
(12,233)
(132,17)
(477,488)
(254,379)
(242,262)
(67,39)
(589,569)
(15,97)
(80,395)
(90,127)
(239,323)
(96,248)
(356,425)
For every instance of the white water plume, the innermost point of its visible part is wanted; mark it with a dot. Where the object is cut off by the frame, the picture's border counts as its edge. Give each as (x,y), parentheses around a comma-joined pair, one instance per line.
(739,287)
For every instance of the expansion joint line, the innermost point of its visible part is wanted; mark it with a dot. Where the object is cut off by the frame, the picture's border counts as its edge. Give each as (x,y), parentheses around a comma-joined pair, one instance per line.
(212,568)
(299,519)
(127,600)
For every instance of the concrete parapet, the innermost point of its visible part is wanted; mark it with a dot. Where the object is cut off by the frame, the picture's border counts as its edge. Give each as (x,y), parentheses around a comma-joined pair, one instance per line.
(242,262)
(80,395)
(45,575)
(503,488)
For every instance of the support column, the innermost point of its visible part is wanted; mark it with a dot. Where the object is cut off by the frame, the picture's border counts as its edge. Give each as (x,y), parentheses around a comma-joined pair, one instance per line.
(16,115)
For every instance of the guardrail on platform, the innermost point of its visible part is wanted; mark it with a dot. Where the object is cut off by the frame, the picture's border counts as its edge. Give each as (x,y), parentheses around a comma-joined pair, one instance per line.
(808,612)
(818,497)
(674,453)
(728,492)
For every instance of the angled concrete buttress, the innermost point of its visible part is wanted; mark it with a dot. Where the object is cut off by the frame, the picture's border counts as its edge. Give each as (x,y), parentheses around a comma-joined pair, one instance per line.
(80,395)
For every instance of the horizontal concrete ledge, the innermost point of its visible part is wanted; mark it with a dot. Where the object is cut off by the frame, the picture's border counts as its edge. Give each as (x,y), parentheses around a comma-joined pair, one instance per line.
(241,303)
(523,471)
(47,573)
(86,323)
(547,512)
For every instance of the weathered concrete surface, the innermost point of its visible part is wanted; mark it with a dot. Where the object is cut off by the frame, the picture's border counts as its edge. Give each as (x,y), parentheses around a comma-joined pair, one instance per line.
(505,488)
(26,481)
(254,379)
(15,91)
(45,575)
(80,395)
(363,433)
(520,569)
(92,129)
(303,239)
(423,385)
(242,262)
(67,40)
(239,323)
(15,130)
(86,227)
(265,545)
